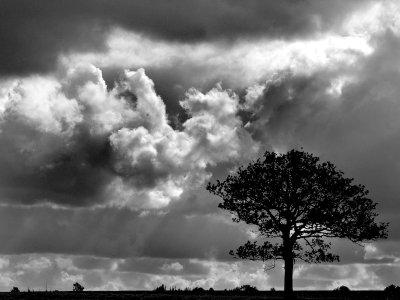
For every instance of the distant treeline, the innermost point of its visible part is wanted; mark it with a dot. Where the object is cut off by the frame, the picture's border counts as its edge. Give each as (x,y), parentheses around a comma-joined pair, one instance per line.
(244,289)
(248,292)
(391,290)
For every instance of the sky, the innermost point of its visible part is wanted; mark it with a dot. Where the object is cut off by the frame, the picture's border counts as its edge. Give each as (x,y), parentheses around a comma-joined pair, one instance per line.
(114,115)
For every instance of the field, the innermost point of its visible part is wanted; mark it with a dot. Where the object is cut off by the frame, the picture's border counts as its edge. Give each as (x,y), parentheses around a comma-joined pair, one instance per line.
(217,295)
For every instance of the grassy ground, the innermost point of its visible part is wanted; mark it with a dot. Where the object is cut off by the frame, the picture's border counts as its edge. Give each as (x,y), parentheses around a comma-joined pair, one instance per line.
(218,295)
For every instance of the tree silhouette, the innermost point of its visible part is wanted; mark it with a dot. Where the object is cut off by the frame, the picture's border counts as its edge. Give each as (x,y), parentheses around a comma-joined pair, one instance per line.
(392,291)
(297,202)
(77,287)
(342,289)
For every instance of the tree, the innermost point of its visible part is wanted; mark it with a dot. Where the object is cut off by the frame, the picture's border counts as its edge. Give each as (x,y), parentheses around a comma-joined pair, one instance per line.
(247,289)
(161,289)
(15,290)
(297,203)
(392,290)
(77,287)
(342,289)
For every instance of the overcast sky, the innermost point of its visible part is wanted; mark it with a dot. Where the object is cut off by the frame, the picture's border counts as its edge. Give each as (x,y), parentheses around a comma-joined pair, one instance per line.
(114,115)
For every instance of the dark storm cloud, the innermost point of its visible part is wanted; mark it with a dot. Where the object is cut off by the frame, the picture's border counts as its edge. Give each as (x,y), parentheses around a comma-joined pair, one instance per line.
(33,34)
(362,136)
(287,105)
(388,274)
(197,202)
(198,235)
(92,263)
(49,157)
(116,233)
(163,266)
(72,175)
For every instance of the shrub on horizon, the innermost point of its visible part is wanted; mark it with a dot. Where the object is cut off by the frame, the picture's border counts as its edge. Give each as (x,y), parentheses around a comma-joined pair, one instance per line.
(248,289)
(77,287)
(198,290)
(392,289)
(342,289)
(160,289)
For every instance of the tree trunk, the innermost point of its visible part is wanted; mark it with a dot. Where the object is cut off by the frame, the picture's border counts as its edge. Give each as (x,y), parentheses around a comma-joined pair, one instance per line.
(288,283)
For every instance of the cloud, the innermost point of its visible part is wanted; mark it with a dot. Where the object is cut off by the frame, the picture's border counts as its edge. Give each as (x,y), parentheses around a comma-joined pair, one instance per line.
(102,111)
(70,140)
(355,127)
(176,266)
(154,151)
(237,64)
(35,35)
(354,276)
(118,233)
(35,264)
(177,65)
(60,272)
(114,173)
(189,268)
(38,102)
(90,263)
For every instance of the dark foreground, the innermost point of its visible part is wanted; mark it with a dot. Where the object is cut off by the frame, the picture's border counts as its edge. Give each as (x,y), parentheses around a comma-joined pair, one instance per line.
(216,295)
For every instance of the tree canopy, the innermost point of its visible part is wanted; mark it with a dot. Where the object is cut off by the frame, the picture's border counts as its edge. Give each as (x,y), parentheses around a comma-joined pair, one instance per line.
(297,202)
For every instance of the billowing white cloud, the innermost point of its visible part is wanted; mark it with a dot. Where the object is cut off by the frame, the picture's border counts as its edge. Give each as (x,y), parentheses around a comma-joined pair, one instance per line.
(175,266)
(155,155)
(373,19)
(148,162)
(237,64)
(39,102)
(101,111)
